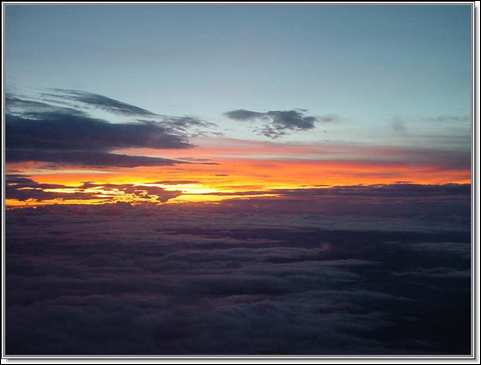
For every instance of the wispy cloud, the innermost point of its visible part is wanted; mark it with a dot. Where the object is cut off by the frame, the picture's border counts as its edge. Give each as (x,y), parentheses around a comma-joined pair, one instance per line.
(99,101)
(86,158)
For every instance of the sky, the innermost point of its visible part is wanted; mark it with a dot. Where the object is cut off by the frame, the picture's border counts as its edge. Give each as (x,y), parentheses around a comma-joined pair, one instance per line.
(271,96)
(238,179)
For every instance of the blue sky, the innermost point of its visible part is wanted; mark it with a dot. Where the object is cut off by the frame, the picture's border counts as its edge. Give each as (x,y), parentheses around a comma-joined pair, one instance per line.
(387,72)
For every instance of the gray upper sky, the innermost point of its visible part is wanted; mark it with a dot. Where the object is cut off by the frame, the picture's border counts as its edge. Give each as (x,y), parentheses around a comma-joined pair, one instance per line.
(391,74)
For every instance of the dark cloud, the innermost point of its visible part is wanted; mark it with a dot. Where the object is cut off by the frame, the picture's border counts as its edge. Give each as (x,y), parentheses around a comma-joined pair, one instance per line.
(54,131)
(86,158)
(277,122)
(41,132)
(20,181)
(187,122)
(184,124)
(384,190)
(139,191)
(243,114)
(23,188)
(59,124)
(100,102)
(401,190)
(26,107)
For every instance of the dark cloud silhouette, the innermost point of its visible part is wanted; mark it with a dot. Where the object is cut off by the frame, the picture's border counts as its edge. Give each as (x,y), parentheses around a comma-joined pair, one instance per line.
(384,190)
(59,103)
(86,158)
(183,123)
(243,114)
(20,181)
(54,131)
(406,190)
(59,125)
(186,122)
(142,191)
(40,132)
(99,101)
(23,188)
(26,107)
(277,122)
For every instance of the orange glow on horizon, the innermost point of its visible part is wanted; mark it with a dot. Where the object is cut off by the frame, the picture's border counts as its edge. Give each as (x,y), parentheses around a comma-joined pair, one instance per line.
(235,179)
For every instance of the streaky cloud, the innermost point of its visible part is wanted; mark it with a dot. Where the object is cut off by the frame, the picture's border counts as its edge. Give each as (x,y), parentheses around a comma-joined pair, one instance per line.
(58,131)
(100,102)
(86,158)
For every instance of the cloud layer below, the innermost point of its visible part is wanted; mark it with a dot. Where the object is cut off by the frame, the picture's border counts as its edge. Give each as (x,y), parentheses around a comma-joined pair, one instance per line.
(364,273)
